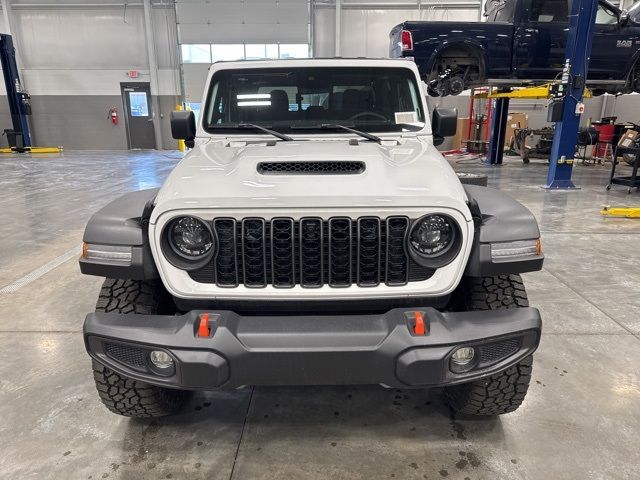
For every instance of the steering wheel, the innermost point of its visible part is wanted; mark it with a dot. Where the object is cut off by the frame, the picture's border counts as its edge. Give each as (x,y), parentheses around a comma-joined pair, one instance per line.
(369,114)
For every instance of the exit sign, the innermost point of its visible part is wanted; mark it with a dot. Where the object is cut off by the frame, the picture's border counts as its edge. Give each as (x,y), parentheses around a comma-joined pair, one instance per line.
(133,74)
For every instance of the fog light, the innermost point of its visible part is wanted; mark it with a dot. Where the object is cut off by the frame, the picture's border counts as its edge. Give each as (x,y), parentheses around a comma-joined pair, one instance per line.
(160,359)
(462,359)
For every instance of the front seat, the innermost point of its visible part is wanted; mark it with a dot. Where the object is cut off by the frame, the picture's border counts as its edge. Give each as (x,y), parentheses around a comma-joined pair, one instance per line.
(279,104)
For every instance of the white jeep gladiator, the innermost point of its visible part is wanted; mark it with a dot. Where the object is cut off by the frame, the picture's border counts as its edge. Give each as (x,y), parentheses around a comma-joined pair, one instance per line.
(313,235)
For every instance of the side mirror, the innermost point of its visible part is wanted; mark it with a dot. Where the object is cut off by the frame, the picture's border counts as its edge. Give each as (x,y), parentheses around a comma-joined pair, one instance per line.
(444,123)
(624,17)
(183,126)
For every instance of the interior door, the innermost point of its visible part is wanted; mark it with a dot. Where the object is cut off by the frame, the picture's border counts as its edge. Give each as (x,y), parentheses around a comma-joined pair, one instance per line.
(136,98)
(540,39)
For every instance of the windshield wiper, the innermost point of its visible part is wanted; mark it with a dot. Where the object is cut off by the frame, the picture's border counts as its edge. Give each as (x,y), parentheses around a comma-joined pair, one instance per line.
(366,135)
(253,126)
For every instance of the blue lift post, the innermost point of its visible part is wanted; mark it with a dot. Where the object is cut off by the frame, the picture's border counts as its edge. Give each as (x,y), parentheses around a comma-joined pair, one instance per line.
(19,105)
(577,53)
(498,131)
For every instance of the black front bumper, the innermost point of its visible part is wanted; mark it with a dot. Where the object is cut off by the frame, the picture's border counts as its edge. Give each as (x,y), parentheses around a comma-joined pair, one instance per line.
(311,350)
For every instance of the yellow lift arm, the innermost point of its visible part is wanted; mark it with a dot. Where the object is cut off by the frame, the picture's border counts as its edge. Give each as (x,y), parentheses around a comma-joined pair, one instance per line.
(541,91)
(32,150)
(627,212)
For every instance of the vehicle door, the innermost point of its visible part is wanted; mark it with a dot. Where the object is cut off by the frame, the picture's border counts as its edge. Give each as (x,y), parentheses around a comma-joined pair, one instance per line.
(613,45)
(540,39)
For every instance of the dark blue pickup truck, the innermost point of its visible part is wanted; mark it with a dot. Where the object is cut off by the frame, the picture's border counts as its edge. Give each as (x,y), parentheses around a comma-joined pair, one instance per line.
(521,41)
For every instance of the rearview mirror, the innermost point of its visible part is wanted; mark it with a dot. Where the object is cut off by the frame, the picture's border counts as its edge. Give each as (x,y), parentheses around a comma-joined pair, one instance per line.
(183,126)
(444,123)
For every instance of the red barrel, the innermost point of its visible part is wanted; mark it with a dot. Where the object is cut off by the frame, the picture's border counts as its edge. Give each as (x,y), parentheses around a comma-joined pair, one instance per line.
(605,135)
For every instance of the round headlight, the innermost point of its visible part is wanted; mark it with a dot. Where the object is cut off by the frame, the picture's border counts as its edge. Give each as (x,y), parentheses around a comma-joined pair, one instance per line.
(190,237)
(432,235)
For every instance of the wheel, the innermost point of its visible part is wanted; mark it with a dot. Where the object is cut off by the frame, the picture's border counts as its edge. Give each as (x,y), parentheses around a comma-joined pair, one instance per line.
(120,394)
(502,392)
(473,179)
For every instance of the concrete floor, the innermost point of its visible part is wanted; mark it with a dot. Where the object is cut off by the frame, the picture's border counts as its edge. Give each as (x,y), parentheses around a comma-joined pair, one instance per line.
(580,420)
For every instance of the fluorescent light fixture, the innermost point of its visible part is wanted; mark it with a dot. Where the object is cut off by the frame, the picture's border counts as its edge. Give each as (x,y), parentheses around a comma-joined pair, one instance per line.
(255,103)
(116,254)
(521,248)
(252,96)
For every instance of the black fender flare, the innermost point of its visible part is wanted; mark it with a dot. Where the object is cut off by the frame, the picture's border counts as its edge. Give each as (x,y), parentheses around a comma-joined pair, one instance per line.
(123,222)
(499,218)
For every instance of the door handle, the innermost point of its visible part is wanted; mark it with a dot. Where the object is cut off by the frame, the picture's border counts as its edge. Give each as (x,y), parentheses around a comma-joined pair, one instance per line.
(150,120)
(531,30)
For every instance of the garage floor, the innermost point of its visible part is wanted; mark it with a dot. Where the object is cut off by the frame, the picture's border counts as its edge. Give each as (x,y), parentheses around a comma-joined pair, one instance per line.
(580,420)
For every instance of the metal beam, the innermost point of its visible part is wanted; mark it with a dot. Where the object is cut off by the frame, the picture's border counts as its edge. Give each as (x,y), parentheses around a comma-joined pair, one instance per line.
(153,73)
(6,13)
(577,55)
(498,131)
(338,39)
(458,4)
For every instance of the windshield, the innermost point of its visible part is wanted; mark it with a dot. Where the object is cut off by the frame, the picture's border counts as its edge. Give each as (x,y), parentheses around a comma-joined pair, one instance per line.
(308,98)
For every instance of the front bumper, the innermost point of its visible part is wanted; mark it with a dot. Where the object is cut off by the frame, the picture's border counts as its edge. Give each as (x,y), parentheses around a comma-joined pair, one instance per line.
(311,350)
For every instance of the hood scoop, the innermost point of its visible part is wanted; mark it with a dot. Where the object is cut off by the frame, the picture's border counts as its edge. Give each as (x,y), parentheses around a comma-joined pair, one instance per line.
(311,168)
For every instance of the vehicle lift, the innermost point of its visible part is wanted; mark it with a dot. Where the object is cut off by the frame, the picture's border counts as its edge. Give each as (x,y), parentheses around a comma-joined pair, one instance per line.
(19,105)
(19,102)
(567,106)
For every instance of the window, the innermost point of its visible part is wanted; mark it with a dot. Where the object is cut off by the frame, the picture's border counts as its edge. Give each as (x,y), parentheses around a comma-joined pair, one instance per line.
(138,104)
(296,50)
(298,99)
(604,16)
(550,11)
(499,10)
(195,108)
(227,52)
(196,53)
(205,53)
(260,51)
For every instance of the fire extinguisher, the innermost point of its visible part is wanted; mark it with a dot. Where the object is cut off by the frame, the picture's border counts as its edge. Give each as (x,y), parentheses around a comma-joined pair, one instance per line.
(113,115)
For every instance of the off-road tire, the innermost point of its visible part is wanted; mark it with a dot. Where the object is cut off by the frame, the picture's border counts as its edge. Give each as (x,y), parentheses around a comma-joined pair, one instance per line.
(132,398)
(134,296)
(120,394)
(502,392)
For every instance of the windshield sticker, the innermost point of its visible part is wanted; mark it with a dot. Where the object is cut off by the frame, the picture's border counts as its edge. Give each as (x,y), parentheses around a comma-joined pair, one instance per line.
(406,117)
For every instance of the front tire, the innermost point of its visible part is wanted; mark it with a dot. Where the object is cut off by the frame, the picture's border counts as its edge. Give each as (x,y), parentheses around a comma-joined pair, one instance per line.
(502,392)
(120,394)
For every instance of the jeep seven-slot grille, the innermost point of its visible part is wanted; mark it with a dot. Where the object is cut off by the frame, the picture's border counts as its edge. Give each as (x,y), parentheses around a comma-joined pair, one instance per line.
(311,252)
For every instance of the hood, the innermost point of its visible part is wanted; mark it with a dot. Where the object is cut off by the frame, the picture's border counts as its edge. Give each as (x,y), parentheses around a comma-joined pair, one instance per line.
(224,175)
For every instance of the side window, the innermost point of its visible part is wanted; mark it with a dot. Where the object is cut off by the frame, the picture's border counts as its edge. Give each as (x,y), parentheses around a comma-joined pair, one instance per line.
(547,11)
(604,16)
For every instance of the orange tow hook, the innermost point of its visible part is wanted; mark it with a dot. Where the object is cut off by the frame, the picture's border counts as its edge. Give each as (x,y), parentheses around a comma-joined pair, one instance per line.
(419,327)
(203,327)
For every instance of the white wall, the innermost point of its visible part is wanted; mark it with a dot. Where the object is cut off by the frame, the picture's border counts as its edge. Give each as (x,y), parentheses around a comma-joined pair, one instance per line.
(88,51)
(243,21)
(365,28)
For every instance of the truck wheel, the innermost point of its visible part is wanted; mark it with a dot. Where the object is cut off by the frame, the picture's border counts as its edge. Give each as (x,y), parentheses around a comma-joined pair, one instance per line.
(120,394)
(502,392)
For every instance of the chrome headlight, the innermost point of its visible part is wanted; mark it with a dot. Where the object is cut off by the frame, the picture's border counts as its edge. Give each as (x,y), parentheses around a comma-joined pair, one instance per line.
(434,240)
(188,242)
